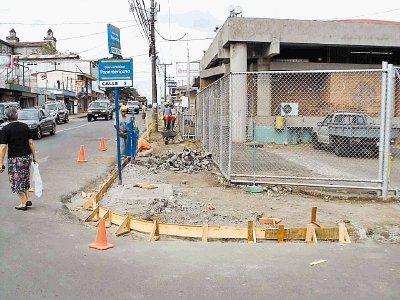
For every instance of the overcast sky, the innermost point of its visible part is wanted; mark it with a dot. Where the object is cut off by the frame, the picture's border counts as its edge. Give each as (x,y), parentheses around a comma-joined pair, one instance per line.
(31,19)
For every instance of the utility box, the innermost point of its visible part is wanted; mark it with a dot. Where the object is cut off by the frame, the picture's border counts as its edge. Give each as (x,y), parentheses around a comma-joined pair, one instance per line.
(279,122)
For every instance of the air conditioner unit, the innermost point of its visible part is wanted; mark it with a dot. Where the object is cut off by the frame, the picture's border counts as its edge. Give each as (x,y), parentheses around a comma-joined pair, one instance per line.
(289,109)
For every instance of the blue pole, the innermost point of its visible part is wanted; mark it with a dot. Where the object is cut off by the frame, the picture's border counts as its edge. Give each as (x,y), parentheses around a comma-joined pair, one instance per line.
(118,139)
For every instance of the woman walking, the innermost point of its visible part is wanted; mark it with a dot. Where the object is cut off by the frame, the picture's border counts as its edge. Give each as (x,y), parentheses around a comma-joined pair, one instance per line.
(144,114)
(17,137)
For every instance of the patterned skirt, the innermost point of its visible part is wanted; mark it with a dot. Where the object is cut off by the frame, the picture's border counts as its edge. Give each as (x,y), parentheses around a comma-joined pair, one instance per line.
(18,173)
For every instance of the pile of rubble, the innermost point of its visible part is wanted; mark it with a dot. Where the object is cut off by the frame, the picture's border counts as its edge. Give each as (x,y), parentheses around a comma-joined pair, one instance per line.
(187,161)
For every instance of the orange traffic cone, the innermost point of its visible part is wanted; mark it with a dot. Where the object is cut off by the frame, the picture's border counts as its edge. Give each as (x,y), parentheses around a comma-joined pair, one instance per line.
(102,146)
(81,156)
(101,237)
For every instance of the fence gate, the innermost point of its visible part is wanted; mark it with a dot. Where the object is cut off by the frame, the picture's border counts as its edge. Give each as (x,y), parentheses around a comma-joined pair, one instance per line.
(337,128)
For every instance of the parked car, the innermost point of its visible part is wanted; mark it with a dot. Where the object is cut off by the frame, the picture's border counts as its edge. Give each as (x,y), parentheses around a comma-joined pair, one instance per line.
(133,107)
(38,120)
(58,110)
(349,133)
(3,108)
(100,109)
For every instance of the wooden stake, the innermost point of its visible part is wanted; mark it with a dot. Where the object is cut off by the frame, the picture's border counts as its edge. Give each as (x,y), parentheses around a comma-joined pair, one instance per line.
(281,233)
(314,216)
(125,227)
(107,216)
(155,233)
(343,234)
(94,215)
(204,237)
(251,233)
(311,235)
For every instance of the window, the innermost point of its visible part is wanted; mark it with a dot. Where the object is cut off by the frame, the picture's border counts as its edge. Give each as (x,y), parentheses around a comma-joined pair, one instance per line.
(327,120)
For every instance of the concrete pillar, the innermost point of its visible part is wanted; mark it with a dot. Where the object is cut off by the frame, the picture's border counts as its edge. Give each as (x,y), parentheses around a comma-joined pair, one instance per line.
(263,89)
(238,63)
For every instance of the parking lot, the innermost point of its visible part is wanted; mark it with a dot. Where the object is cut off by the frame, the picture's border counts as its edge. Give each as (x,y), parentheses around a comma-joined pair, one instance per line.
(304,161)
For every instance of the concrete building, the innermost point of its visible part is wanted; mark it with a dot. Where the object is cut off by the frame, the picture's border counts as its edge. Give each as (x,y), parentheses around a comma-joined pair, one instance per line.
(254,45)
(47,46)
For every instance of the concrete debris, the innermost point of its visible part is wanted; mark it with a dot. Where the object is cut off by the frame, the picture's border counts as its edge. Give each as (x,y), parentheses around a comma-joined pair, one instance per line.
(187,161)
(278,190)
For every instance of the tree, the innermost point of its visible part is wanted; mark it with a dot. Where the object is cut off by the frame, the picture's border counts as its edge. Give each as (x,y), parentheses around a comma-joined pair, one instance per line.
(125,94)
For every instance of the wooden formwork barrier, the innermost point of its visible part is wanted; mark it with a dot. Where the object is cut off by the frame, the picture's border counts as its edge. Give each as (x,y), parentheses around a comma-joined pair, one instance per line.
(310,234)
(251,233)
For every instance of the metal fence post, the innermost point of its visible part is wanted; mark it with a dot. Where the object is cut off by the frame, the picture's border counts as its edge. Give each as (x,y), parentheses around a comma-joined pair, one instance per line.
(203,121)
(382,124)
(230,129)
(221,124)
(388,127)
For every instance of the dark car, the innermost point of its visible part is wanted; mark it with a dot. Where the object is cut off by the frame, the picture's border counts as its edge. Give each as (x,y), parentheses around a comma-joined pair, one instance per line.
(100,109)
(58,110)
(133,107)
(3,108)
(38,120)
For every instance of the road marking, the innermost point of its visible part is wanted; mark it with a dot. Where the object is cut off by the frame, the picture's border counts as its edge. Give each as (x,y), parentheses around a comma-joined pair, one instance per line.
(62,130)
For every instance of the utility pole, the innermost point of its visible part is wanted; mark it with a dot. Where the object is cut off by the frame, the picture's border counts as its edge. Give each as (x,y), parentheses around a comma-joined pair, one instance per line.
(165,80)
(153,64)
(188,70)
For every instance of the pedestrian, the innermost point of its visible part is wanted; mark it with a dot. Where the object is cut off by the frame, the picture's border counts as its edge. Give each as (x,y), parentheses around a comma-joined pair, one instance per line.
(144,114)
(17,137)
(123,128)
(166,112)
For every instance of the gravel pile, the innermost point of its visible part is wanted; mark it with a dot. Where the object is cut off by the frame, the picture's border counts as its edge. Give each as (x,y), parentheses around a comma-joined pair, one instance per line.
(187,161)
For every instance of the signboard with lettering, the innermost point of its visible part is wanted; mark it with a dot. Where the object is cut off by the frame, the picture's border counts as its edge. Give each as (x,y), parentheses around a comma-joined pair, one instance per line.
(114,40)
(181,69)
(171,84)
(6,61)
(115,72)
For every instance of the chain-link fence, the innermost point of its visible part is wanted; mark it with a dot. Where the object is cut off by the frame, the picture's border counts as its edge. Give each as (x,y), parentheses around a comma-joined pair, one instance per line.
(186,124)
(394,167)
(312,128)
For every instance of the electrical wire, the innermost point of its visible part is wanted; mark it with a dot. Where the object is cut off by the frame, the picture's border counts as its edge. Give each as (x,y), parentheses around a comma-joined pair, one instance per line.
(66,23)
(135,14)
(90,34)
(368,14)
(170,40)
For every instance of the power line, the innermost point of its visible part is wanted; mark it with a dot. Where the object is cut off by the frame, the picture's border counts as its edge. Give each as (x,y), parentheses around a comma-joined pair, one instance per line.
(90,34)
(142,24)
(189,40)
(170,40)
(65,23)
(368,14)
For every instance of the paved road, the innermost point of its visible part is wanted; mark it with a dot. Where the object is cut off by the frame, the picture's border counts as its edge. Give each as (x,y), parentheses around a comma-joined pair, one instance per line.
(44,253)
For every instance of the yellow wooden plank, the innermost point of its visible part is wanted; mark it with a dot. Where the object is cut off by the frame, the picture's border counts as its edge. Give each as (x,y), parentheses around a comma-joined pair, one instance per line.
(281,233)
(154,234)
(125,226)
(204,237)
(311,236)
(94,215)
(343,234)
(251,233)
(313,214)
(222,232)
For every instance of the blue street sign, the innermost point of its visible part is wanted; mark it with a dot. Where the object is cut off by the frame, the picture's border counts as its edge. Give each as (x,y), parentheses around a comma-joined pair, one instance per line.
(114,40)
(115,72)
(172,84)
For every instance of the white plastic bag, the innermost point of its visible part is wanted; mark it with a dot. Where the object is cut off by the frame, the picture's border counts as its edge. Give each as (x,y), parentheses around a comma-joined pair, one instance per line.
(37,180)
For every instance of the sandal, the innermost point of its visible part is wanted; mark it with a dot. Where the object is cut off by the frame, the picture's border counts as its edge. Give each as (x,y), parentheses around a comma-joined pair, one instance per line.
(21,208)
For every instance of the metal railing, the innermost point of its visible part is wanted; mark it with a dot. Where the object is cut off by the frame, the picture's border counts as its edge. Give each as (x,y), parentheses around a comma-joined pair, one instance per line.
(335,128)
